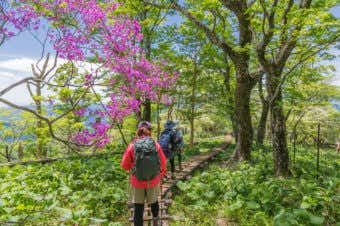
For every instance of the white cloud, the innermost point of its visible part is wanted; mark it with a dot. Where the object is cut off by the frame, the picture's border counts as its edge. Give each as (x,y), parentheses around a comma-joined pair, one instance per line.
(12,70)
(17,64)
(18,95)
(7,75)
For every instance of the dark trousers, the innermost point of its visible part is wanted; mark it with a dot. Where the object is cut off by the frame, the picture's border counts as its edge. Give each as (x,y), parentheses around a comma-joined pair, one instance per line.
(172,161)
(139,211)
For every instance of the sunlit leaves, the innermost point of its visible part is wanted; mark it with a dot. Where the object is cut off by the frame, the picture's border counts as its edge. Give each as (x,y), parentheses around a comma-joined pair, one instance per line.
(67,192)
(250,195)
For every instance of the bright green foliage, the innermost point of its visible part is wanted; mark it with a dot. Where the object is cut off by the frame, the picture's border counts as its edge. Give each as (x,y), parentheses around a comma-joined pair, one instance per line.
(13,126)
(250,195)
(81,191)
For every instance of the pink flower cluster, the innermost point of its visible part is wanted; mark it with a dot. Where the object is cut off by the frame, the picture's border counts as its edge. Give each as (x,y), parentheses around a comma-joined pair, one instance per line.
(80,112)
(85,29)
(99,135)
(17,19)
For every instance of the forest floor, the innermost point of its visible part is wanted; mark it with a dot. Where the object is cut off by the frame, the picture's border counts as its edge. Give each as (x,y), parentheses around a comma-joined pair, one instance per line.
(249,193)
(93,191)
(83,191)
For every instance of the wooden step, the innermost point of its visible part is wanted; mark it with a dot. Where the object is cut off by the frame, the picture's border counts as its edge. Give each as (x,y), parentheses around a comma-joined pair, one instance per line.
(148,212)
(165,202)
(149,218)
(148,209)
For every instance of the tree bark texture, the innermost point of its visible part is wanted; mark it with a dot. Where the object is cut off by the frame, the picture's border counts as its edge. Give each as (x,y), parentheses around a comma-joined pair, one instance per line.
(193,104)
(278,127)
(40,152)
(146,116)
(261,129)
(244,86)
(230,103)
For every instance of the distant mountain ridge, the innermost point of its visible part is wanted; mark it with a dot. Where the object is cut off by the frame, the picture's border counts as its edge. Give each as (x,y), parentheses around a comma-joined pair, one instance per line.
(16,113)
(335,104)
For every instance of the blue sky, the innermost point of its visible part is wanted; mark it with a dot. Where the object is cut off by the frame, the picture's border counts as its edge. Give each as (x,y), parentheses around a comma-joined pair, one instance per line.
(17,54)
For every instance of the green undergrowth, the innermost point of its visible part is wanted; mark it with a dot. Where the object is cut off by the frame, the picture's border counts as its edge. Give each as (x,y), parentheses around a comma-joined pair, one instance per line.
(201,147)
(249,194)
(83,191)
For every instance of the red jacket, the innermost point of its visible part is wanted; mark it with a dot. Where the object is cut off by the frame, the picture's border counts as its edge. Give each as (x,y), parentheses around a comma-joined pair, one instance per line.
(128,163)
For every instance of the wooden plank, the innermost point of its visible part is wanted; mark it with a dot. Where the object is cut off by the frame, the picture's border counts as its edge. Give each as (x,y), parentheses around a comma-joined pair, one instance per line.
(149,218)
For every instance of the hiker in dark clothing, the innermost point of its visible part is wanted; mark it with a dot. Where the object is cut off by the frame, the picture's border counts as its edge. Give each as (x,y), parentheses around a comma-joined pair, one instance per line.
(170,143)
(146,161)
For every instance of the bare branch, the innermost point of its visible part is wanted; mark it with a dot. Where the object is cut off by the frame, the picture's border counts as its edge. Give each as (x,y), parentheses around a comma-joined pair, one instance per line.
(260,83)
(44,68)
(267,35)
(158,21)
(43,44)
(70,144)
(112,123)
(23,109)
(213,12)
(52,67)
(72,107)
(30,90)
(4,91)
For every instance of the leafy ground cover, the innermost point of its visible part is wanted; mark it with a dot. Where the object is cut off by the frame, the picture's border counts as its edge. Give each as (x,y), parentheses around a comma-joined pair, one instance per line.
(249,194)
(83,191)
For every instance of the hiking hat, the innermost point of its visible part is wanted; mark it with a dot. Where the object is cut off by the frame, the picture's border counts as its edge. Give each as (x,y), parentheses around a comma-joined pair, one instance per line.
(169,124)
(144,124)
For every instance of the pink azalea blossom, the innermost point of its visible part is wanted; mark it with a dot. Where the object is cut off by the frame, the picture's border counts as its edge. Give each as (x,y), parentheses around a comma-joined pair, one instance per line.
(115,45)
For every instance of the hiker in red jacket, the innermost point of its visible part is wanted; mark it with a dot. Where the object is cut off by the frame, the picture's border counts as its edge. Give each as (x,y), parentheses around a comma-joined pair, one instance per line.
(145,159)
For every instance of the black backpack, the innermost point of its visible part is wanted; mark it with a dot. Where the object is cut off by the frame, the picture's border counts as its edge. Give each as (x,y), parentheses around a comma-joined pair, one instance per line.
(147,163)
(166,141)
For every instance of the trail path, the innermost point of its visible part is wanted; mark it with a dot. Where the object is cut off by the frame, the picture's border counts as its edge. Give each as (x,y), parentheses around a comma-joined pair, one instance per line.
(189,166)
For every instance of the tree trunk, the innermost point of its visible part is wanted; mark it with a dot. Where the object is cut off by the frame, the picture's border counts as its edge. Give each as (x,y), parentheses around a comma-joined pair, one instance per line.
(147,48)
(261,129)
(20,152)
(158,120)
(169,113)
(8,154)
(244,86)
(119,126)
(147,110)
(40,152)
(193,104)
(230,103)
(278,127)
(192,125)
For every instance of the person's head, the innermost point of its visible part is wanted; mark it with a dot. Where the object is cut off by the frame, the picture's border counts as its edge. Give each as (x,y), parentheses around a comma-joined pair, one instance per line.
(169,124)
(144,129)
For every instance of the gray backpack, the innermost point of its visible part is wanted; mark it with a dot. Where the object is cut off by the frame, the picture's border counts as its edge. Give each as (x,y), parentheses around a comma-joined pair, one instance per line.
(147,165)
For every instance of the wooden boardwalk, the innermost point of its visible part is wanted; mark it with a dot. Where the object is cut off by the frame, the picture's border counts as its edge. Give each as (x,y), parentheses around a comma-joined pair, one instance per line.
(189,166)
